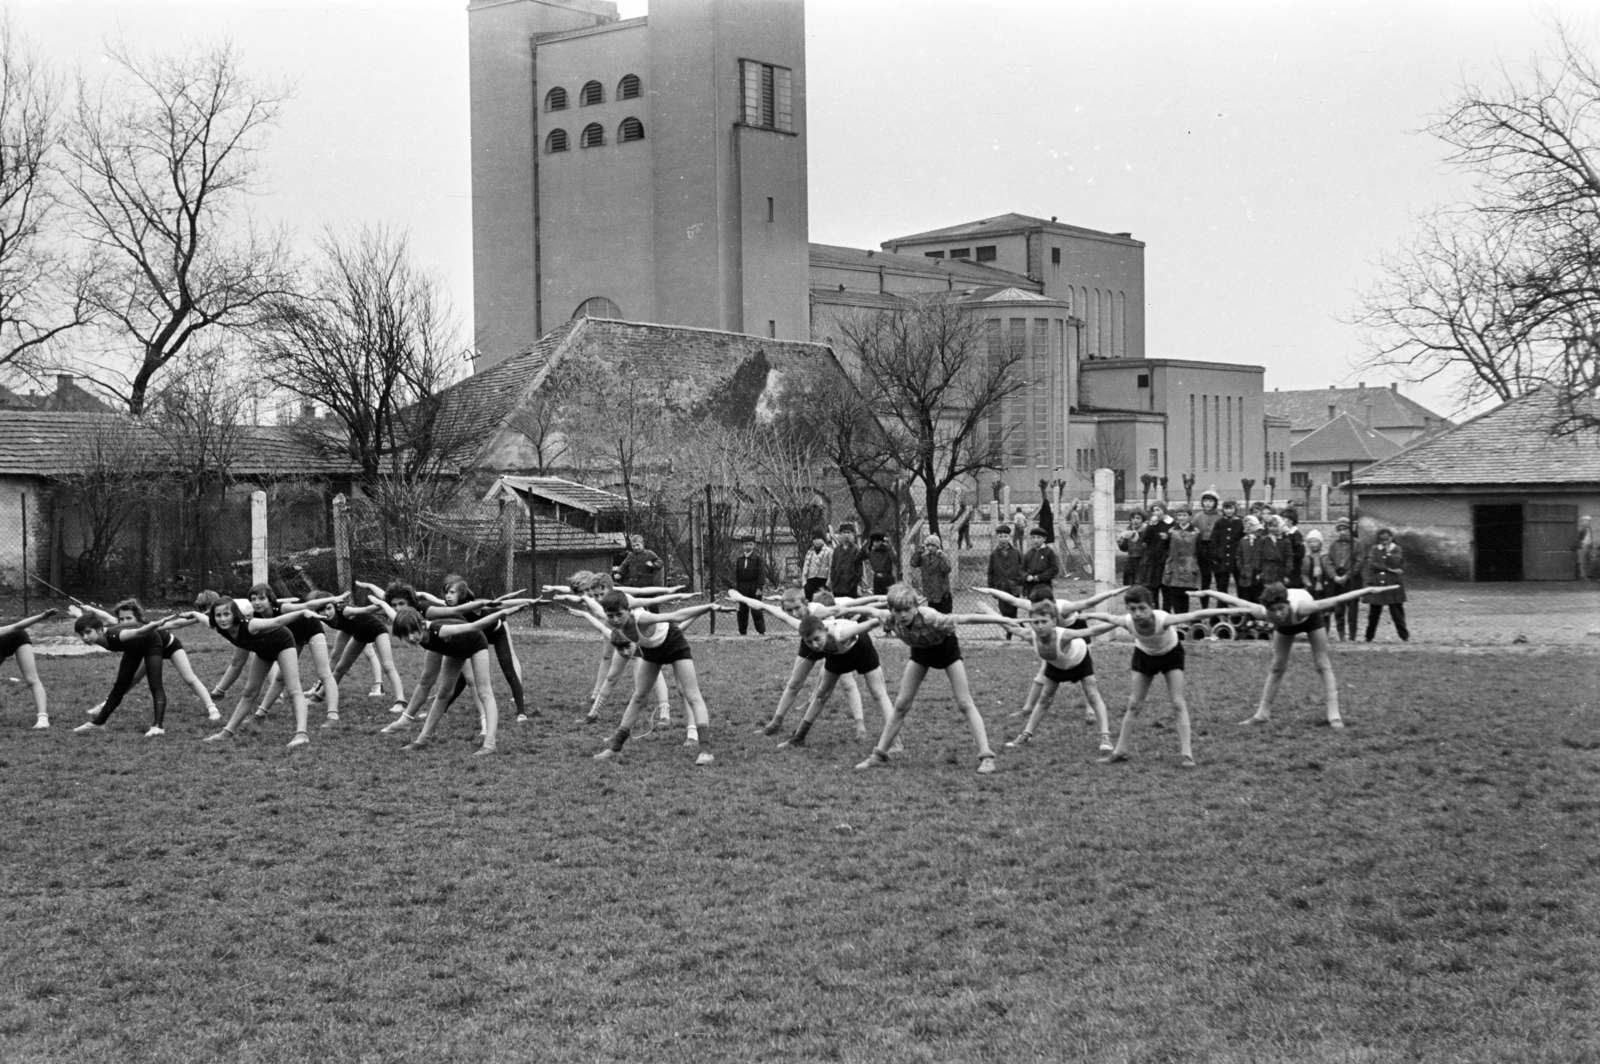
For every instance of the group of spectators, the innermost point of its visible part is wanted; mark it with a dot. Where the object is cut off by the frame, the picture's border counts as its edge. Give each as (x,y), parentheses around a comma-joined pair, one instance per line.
(1176,553)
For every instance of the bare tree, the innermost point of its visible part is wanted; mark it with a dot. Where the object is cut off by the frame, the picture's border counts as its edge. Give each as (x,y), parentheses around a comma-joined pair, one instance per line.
(1504,291)
(113,467)
(41,295)
(160,161)
(936,384)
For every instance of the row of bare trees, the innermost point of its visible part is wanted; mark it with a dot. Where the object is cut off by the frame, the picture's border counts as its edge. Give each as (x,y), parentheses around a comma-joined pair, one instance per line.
(1500,294)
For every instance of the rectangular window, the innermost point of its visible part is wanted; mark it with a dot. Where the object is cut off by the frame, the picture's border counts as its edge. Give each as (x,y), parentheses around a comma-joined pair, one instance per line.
(1039,382)
(1144,380)
(961,253)
(1021,436)
(1055,256)
(1155,460)
(771,209)
(933,254)
(772,329)
(986,253)
(766,94)
(1192,450)
(1205,433)
(1340,476)
(1300,479)
(996,354)
(1230,434)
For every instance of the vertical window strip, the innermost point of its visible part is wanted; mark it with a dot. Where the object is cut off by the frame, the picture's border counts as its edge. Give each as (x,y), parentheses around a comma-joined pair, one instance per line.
(785,102)
(1021,443)
(1205,433)
(996,353)
(1191,430)
(1041,390)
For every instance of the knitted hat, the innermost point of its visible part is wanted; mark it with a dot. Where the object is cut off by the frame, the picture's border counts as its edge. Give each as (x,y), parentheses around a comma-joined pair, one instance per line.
(1252,523)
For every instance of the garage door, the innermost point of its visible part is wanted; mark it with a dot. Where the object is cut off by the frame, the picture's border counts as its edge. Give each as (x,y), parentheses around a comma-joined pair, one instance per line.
(1549,533)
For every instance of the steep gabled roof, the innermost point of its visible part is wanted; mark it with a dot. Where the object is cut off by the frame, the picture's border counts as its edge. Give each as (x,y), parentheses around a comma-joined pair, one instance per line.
(1005,224)
(562,492)
(480,405)
(1344,439)
(1390,410)
(1510,444)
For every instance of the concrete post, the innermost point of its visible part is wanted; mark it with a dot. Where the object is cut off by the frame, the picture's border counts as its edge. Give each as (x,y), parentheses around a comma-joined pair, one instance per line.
(258,537)
(1105,530)
(508,546)
(341,542)
(1322,495)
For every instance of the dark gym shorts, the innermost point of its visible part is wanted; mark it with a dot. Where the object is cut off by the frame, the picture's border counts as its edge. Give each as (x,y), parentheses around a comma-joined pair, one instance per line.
(940,655)
(805,653)
(1305,627)
(862,658)
(1156,664)
(674,648)
(304,629)
(1079,672)
(10,643)
(170,645)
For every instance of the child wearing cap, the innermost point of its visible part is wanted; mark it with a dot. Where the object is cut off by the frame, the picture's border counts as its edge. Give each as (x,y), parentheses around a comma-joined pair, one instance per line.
(1344,574)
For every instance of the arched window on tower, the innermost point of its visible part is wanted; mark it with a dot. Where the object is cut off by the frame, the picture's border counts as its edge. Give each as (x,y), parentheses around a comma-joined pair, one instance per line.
(630,88)
(631,129)
(593,93)
(597,307)
(556,141)
(594,135)
(556,99)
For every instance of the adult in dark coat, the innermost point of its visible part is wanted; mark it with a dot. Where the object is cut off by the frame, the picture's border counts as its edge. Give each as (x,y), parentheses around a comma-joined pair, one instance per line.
(749,577)
(1294,564)
(1005,570)
(848,563)
(1383,565)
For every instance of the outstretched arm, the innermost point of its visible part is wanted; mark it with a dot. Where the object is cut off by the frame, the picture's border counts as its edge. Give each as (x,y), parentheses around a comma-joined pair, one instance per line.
(850,631)
(656,598)
(26,622)
(375,605)
(129,634)
(486,621)
(1195,615)
(594,622)
(766,606)
(979,618)
(318,603)
(683,616)
(373,590)
(184,620)
(630,590)
(1004,596)
(266,624)
(1104,618)
(109,618)
(1348,596)
(1068,606)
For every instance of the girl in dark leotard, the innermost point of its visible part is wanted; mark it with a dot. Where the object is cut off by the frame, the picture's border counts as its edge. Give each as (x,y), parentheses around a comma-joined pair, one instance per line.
(308,634)
(129,611)
(138,644)
(268,644)
(461,646)
(460,604)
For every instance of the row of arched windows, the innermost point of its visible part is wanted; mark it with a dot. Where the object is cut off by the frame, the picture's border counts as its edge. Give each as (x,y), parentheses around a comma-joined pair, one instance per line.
(629,88)
(594,135)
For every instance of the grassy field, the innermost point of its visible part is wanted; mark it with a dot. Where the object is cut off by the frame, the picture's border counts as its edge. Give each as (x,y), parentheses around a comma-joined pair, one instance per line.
(1425,885)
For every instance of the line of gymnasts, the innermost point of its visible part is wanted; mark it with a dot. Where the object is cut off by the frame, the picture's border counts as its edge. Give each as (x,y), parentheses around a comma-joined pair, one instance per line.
(271,637)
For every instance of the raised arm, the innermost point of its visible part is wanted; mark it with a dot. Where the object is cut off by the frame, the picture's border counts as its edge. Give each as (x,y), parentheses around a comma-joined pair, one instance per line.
(628,589)
(1348,596)
(326,600)
(374,605)
(660,598)
(108,618)
(855,628)
(142,630)
(1004,596)
(266,624)
(594,622)
(979,618)
(486,621)
(183,620)
(1243,604)
(429,599)
(373,591)
(683,616)
(1068,606)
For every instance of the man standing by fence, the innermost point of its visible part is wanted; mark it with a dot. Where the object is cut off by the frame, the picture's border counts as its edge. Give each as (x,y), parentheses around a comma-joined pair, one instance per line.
(935,566)
(641,568)
(749,577)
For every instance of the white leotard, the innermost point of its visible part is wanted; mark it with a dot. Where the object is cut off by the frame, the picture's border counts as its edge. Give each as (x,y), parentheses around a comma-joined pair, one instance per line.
(649,636)
(1053,653)
(1163,642)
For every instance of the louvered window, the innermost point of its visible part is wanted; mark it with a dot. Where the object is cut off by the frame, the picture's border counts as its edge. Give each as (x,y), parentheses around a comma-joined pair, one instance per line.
(556,99)
(593,93)
(629,88)
(767,95)
(594,135)
(556,141)
(631,129)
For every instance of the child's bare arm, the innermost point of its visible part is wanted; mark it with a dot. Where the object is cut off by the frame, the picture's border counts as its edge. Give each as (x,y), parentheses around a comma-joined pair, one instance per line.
(1092,600)
(373,590)
(1196,615)
(27,622)
(1004,596)
(1223,596)
(598,625)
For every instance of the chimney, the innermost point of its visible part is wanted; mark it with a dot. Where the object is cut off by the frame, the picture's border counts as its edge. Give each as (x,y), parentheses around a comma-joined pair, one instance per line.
(1333,411)
(308,410)
(1394,386)
(1367,408)
(1362,385)
(63,382)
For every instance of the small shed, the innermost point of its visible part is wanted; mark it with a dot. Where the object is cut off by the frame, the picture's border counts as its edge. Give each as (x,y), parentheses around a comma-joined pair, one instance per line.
(1496,498)
(564,532)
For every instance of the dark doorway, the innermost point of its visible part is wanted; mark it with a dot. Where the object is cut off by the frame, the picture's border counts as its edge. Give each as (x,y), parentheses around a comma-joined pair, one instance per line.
(1119,487)
(1497,540)
(1547,541)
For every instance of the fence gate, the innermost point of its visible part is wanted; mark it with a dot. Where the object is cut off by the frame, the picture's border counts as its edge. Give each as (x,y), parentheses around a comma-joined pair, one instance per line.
(1549,533)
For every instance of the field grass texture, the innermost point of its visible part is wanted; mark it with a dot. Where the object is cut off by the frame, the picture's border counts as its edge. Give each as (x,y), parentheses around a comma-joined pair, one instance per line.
(1423,886)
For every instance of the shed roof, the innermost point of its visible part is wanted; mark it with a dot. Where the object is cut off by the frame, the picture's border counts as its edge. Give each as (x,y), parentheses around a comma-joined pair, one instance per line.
(1510,444)
(1344,439)
(562,492)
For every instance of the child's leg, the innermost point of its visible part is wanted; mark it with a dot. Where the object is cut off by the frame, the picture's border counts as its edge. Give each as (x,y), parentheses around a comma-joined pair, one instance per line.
(375,663)
(180,661)
(1282,644)
(1097,705)
(1181,708)
(1138,689)
(420,694)
(852,697)
(603,692)
(645,674)
(484,688)
(158,689)
(607,653)
(658,691)
(689,686)
(289,673)
(819,699)
(1322,657)
(910,681)
(255,673)
(383,648)
(791,690)
(1374,612)
(880,692)
(346,651)
(449,673)
(30,676)
(510,667)
(324,666)
(126,668)
(1040,694)
(957,672)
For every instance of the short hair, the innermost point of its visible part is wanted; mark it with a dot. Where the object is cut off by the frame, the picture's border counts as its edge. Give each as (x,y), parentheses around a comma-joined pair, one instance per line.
(848,527)
(1385,532)
(810,625)
(1229,504)
(316,593)
(205,600)
(1137,594)
(1183,508)
(1002,530)
(903,597)
(407,622)
(1044,604)
(399,590)
(793,596)
(748,539)
(614,601)
(824,596)
(1273,594)
(1289,513)
(1140,514)
(265,590)
(1042,592)
(1037,531)
(132,606)
(584,582)
(88,622)
(460,586)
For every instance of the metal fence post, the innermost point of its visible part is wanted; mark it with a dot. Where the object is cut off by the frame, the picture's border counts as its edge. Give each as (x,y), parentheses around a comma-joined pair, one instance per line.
(1105,517)
(258,537)
(341,542)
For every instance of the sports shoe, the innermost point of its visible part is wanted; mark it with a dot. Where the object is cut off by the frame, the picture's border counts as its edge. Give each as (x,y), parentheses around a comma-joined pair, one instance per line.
(705,758)
(692,741)
(398,724)
(1186,761)
(94,711)
(89,726)
(522,718)
(398,707)
(259,715)
(898,747)
(607,754)
(874,760)
(155,730)
(213,713)
(794,741)
(986,765)
(376,692)
(300,739)
(771,727)
(41,724)
(332,721)
(1022,740)
(421,742)
(1090,718)
(484,750)
(1105,743)
(217,737)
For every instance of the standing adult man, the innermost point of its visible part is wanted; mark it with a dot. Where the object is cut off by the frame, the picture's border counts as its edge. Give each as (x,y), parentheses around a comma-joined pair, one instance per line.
(1005,571)
(814,570)
(880,559)
(1040,566)
(749,577)
(844,577)
(935,566)
(641,568)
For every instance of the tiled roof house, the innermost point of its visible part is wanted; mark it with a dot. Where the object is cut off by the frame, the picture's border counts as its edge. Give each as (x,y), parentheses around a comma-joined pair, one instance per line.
(1397,416)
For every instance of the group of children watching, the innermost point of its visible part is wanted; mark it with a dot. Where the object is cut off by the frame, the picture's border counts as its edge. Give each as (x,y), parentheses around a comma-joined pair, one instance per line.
(1185,552)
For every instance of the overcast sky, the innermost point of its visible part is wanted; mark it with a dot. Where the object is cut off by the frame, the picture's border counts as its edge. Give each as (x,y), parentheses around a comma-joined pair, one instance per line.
(1266,153)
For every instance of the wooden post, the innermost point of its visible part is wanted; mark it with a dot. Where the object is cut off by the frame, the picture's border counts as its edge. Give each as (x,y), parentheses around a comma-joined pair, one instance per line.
(57,548)
(1105,530)
(27,578)
(343,575)
(258,537)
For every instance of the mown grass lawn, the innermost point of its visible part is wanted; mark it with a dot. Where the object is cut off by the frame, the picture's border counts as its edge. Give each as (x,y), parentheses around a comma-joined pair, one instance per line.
(1425,885)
